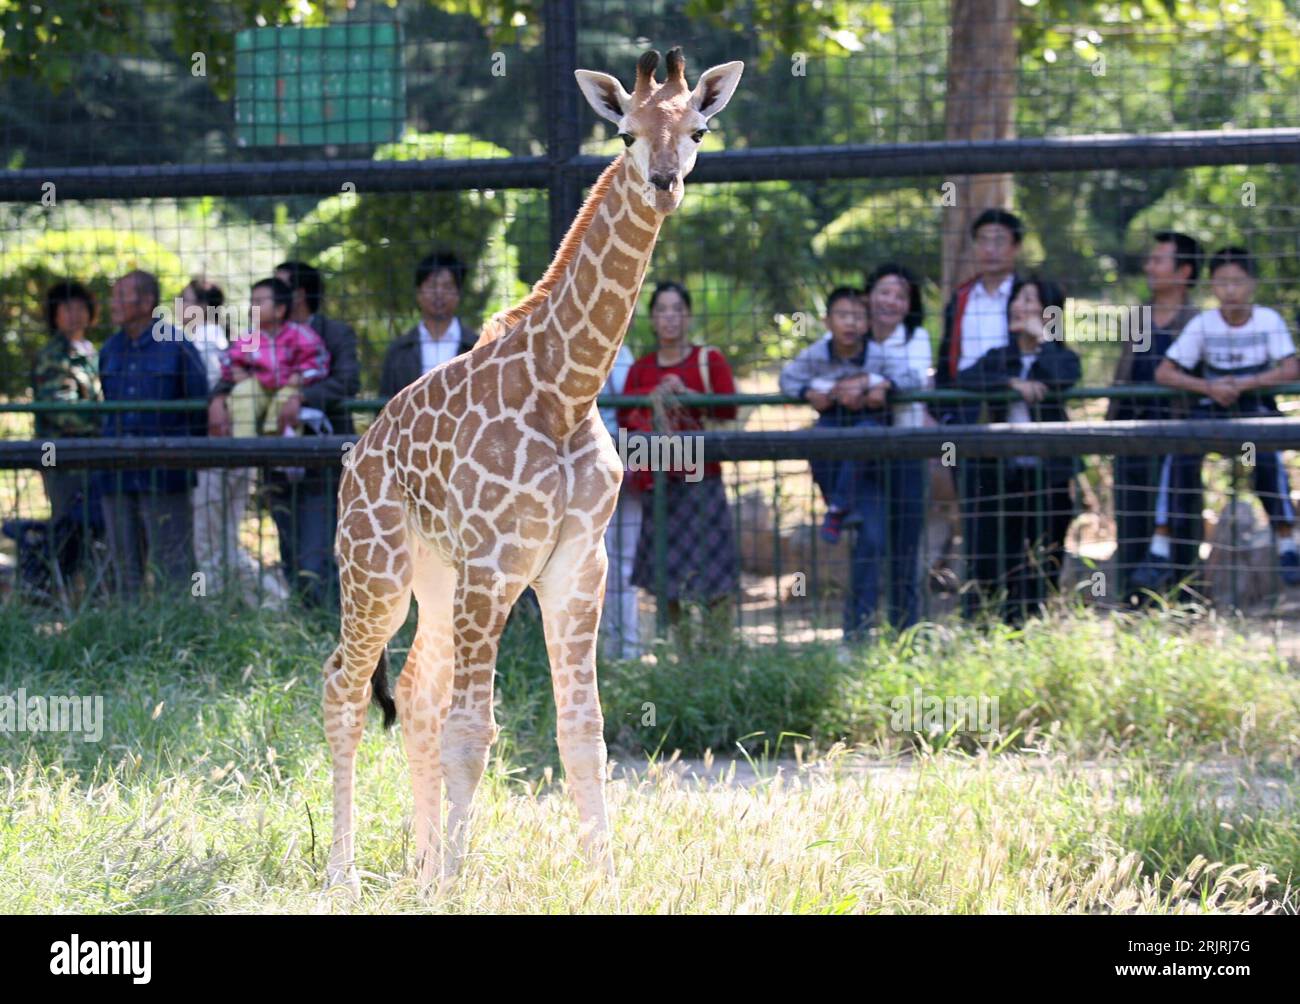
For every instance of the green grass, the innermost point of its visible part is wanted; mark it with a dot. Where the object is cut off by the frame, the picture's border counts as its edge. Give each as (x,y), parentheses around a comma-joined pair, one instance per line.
(1091,684)
(210,789)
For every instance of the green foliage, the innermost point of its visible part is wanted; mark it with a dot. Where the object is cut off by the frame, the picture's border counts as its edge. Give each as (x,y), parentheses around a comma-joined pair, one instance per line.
(1149,683)
(1157,65)
(899,225)
(1256,206)
(528,232)
(370,242)
(1179,821)
(760,234)
(825,29)
(50,42)
(745,254)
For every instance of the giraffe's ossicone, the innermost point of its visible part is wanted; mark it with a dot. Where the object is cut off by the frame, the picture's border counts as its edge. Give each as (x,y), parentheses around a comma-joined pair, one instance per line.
(493,472)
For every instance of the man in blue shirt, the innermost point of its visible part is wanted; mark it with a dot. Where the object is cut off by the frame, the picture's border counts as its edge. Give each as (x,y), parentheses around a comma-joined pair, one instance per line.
(147,512)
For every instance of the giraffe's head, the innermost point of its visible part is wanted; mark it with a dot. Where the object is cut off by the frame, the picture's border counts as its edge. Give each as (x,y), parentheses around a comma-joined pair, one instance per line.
(661,124)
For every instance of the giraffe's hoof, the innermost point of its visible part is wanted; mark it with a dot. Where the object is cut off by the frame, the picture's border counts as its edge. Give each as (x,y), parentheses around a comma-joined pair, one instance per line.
(345,879)
(604,867)
(429,880)
(451,868)
(598,852)
(429,888)
(445,886)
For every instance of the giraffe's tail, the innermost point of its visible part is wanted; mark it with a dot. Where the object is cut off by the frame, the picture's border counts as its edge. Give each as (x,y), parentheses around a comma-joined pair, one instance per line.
(380,693)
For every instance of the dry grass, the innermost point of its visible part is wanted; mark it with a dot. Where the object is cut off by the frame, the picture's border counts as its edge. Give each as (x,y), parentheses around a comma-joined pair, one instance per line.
(989,836)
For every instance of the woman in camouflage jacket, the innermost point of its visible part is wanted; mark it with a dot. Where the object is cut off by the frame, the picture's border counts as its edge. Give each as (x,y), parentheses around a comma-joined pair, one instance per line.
(67,370)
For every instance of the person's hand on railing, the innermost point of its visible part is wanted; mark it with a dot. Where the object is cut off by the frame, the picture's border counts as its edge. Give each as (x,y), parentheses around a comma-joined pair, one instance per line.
(218,416)
(878,395)
(671,385)
(1033,391)
(819,399)
(663,399)
(851,394)
(663,396)
(1223,392)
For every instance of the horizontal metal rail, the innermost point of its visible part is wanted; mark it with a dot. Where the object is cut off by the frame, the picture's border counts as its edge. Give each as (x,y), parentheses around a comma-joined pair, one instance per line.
(1114,151)
(1045,439)
(1126,391)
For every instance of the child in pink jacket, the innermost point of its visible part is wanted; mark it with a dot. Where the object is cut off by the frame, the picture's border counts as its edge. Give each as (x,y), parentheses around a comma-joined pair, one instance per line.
(271,364)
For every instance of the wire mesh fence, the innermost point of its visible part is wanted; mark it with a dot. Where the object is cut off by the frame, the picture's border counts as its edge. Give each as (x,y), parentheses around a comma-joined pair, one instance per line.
(424,163)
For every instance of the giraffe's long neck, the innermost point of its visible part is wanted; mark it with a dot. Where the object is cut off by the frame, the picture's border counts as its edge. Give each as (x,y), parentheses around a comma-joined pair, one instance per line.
(587,312)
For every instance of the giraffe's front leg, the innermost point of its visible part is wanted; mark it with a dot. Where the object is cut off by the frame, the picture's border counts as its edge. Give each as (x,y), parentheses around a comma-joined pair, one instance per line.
(571,593)
(483,600)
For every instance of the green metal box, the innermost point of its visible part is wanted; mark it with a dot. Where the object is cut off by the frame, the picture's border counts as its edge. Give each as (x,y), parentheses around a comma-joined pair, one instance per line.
(309,86)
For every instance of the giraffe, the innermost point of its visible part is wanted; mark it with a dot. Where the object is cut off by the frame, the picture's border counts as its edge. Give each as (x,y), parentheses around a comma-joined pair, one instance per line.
(493,472)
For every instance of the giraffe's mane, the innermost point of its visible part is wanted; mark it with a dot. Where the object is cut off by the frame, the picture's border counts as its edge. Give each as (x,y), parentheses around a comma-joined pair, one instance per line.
(504,320)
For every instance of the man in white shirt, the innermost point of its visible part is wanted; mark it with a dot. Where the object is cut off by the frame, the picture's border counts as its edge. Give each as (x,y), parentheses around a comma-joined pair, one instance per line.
(975,320)
(984,326)
(974,324)
(439,335)
(435,350)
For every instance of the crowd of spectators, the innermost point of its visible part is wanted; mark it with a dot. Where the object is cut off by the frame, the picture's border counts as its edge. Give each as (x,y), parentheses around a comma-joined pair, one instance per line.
(292,371)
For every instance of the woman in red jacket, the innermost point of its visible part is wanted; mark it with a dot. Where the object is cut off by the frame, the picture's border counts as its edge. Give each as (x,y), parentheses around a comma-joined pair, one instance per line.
(701,560)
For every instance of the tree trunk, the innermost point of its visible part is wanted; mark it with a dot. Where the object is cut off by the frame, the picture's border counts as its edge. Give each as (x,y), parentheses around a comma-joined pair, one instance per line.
(980,104)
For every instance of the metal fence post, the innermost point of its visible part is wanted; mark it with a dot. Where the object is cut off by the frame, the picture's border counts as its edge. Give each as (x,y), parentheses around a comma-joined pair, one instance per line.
(776,556)
(661,551)
(560,26)
(1234,548)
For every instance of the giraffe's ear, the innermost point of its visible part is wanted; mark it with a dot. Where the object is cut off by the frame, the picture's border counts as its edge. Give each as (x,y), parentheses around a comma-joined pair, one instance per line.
(605,94)
(715,88)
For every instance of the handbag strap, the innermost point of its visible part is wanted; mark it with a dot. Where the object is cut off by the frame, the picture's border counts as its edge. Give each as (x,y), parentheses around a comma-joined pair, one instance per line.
(704,368)
(703,360)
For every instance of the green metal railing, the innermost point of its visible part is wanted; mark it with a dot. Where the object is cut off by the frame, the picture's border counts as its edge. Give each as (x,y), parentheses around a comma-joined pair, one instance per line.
(946,396)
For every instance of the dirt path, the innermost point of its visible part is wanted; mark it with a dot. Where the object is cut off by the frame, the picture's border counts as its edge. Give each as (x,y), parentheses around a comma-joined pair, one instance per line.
(1237,785)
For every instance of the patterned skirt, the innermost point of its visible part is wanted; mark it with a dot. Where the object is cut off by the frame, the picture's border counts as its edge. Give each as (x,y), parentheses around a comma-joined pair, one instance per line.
(701,562)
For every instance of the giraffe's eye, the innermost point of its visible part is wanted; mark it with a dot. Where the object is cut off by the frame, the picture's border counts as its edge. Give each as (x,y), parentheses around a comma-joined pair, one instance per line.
(627,138)
(698,134)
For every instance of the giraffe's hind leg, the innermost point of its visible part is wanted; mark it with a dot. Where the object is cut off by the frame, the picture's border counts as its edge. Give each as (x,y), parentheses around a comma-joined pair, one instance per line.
(423,691)
(375,593)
